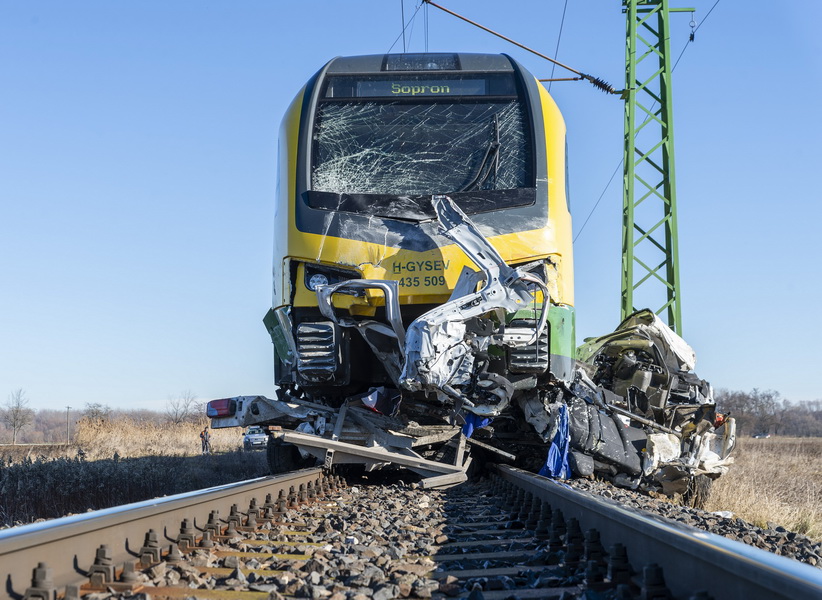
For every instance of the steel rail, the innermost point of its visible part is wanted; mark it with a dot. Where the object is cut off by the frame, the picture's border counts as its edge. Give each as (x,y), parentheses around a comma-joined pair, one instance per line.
(724,568)
(68,545)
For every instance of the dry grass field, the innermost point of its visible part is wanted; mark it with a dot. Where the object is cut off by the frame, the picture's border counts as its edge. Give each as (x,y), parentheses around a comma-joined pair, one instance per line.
(117,462)
(776,480)
(129,439)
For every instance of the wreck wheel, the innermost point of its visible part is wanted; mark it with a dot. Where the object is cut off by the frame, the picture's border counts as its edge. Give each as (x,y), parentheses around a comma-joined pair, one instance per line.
(699,490)
(283,457)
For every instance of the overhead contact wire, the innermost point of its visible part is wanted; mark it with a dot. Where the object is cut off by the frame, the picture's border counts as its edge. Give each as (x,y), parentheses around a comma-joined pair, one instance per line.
(708,14)
(559,37)
(412,21)
(405,25)
(402,17)
(425,20)
(591,214)
(595,81)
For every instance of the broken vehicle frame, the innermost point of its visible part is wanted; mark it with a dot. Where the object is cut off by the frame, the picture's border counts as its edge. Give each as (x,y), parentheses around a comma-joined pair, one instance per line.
(635,410)
(437,355)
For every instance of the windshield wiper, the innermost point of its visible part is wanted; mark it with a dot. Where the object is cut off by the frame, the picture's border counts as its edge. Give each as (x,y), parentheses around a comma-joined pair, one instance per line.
(490,162)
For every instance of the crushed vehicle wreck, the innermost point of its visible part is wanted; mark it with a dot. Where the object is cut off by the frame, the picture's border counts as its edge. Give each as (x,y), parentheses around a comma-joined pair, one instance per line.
(423,293)
(667,433)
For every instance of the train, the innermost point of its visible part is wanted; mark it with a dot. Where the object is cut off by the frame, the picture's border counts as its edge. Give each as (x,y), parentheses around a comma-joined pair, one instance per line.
(423,289)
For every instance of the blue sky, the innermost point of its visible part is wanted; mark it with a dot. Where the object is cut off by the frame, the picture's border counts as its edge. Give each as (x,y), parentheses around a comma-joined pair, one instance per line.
(137,171)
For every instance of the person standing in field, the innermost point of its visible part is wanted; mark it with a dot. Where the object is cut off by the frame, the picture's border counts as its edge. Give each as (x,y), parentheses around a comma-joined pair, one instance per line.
(205,441)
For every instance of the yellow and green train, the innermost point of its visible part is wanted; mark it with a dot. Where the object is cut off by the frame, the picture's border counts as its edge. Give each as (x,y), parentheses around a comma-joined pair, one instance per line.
(364,147)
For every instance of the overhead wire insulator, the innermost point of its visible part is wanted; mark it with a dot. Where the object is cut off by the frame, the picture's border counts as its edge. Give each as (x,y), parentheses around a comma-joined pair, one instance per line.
(600,83)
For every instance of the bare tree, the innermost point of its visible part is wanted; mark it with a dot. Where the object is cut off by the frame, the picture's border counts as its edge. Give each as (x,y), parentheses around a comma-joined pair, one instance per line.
(17,413)
(199,417)
(95,411)
(761,412)
(182,408)
(756,412)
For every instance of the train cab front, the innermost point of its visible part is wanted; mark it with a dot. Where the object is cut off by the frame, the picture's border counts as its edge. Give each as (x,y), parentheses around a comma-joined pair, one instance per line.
(422,232)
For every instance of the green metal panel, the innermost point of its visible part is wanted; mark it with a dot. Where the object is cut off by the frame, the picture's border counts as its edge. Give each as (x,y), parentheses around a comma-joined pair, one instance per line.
(650,263)
(562,337)
(561,321)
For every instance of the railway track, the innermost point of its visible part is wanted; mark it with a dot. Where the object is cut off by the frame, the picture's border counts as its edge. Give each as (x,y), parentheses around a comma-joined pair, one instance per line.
(513,536)
(68,548)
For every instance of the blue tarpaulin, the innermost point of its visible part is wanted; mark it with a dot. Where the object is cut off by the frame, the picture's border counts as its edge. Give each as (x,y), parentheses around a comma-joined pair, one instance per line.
(556,463)
(473,422)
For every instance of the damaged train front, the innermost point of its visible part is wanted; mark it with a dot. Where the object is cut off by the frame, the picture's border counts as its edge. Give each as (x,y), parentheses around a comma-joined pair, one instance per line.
(423,270)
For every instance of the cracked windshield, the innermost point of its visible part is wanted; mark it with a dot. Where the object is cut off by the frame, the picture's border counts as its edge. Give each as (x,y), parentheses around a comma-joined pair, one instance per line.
(410,146)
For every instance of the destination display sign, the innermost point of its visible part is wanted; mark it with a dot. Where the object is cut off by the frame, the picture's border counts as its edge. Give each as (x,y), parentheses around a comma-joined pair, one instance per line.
(393,88)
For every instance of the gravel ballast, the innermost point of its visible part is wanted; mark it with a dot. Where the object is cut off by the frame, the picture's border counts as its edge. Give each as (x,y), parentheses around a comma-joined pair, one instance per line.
(775,539)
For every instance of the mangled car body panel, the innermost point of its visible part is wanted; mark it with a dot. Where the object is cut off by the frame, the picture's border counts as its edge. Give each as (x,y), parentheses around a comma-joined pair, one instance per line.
(642,375)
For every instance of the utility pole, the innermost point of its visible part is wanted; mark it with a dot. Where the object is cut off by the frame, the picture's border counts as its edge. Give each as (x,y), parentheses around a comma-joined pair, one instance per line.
(650,255)
(68,438)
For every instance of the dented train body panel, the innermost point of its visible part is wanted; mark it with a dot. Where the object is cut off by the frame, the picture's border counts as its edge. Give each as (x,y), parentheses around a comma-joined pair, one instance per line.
(423,289)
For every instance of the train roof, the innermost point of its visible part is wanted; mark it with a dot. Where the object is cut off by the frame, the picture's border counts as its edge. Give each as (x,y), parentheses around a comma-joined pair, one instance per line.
(428,61)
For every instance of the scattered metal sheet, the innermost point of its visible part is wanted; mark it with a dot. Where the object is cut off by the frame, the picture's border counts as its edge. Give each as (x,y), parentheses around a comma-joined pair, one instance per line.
(444,343)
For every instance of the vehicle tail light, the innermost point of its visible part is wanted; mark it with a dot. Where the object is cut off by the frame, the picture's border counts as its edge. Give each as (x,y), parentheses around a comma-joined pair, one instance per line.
(225,407)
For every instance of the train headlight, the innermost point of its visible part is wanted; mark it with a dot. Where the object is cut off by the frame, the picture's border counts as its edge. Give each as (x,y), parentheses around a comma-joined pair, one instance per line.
(317,275)
(317,279)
